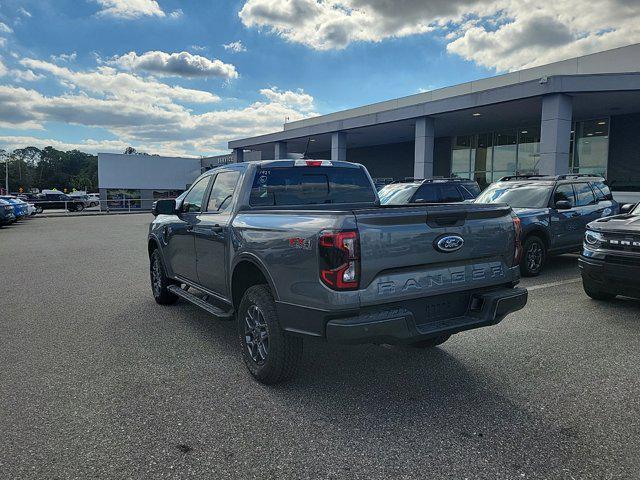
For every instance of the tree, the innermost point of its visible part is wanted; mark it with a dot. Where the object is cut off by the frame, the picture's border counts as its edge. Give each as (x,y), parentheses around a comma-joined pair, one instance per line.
(31,168)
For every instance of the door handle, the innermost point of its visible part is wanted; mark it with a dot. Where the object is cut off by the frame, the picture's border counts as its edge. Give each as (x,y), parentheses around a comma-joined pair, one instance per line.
(216,228)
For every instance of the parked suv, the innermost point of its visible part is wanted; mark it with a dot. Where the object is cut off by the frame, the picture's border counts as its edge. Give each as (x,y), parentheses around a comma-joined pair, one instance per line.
(554,211)
(610,260)
(433,190)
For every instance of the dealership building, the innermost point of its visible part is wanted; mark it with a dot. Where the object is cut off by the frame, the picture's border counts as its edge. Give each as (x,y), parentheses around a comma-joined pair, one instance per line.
(580,115)
(136,181)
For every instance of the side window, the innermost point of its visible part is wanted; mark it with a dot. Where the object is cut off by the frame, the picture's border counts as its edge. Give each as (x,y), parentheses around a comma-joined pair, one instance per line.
(564,192)
(427,193)
(450,193)
(602,191)
(193,200)
(584,195)
(222,192)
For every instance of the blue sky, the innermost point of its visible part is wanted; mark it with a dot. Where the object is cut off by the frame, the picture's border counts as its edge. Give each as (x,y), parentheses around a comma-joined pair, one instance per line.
(173,77)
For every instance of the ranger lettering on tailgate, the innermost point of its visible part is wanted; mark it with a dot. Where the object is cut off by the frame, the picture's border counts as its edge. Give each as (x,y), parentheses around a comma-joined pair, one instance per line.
(442,278)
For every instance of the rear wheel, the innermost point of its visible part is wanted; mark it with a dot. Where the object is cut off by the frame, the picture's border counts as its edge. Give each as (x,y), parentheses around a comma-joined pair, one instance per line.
(38,209)
(534,256)
(594,292)
(159,281)
(271,355)
(79,207)
(431,342)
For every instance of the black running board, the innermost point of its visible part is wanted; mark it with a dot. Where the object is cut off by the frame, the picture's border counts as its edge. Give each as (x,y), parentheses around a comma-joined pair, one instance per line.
(190,297)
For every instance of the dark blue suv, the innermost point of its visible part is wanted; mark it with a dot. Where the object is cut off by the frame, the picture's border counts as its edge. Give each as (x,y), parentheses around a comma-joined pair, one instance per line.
(554,212)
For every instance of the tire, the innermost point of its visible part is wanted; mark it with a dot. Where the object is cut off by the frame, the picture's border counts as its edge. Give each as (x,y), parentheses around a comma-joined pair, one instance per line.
(38,209)
(270,355)
(431,342)
(79,207)
(159,281)
(592,291)
(533,257)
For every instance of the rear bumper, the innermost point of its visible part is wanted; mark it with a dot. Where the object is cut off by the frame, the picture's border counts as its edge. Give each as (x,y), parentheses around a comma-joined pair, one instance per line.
(610,277)
(411,321)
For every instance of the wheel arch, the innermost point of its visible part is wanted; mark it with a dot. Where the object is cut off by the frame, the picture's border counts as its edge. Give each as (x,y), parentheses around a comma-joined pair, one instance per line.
(540,232)
(247,271)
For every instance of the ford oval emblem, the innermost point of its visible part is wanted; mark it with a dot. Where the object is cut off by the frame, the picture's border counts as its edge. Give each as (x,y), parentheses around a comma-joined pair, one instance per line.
(449,243)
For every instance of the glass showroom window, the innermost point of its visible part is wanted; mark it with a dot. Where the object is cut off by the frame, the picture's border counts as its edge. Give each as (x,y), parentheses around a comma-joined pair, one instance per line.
(123,198)
(461,156)
(505,153)
(528,150)
(591,148)
(482,165)
(157,194)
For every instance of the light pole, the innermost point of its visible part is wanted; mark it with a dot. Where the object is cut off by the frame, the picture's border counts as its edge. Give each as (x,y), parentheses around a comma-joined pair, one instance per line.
(6,170)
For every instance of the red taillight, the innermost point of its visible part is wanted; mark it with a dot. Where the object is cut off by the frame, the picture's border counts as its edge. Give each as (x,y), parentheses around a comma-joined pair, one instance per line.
(339,258)
(517,226)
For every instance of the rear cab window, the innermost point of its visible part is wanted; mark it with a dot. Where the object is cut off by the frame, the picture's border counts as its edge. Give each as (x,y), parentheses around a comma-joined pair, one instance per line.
(313,185)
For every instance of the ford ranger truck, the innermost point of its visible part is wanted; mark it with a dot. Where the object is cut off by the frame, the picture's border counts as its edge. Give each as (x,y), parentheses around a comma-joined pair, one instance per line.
(302,248)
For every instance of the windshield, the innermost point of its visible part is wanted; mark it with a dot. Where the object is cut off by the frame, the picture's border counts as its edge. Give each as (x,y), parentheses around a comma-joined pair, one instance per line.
(398,194)
(517,195)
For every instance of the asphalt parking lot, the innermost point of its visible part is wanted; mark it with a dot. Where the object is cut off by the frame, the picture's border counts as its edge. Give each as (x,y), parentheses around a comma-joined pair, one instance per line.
(97,381)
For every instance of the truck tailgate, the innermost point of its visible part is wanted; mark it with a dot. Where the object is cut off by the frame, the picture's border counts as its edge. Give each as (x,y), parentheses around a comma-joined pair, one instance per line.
(400,258)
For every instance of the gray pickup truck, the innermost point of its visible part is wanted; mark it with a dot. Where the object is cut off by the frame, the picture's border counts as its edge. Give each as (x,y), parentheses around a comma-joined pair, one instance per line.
(295,248)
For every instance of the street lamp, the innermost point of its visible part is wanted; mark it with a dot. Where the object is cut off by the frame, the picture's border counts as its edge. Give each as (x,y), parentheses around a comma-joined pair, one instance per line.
(6,170)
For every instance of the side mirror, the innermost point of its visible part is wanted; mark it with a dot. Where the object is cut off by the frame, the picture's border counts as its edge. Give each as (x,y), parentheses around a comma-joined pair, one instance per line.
(563,205)
(164,207)
(627,207)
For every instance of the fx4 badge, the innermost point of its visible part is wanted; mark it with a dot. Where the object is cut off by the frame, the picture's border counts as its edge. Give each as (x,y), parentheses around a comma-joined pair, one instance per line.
(448,243)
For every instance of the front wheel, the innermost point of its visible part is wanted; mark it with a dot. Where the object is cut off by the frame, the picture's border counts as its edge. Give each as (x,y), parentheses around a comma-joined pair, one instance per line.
(160,282)
(535,254)
(594,292)
(38,209)
(79,207)
(431,342)
(271,355)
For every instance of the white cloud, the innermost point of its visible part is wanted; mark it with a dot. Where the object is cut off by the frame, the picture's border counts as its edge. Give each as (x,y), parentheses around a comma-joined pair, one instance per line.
(130,9)
(142,112)
(25,75)
(183,64)
(4,28)
(65,57)
(236,46)
(24,12)
(178,13)
(3,42)
(298,99)
(120,85)
(501,34)
(3,69)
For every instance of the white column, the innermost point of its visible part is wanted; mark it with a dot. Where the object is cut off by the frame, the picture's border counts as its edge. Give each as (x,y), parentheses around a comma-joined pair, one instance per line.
(424,142)
(555,134)
(280,151)
(339,146)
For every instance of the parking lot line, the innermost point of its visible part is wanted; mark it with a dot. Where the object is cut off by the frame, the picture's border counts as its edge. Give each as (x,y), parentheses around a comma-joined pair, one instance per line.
(554,284)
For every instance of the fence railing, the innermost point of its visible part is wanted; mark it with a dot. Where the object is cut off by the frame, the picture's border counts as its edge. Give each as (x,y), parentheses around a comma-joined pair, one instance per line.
(124,205)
